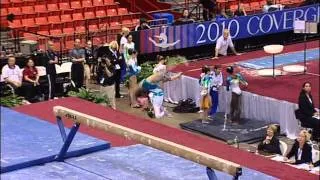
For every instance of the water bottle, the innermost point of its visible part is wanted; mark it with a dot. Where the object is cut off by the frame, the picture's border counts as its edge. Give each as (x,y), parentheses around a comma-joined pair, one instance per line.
(236,142)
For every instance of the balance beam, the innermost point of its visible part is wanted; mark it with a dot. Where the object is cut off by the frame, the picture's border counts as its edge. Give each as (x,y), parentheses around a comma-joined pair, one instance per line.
(152,141)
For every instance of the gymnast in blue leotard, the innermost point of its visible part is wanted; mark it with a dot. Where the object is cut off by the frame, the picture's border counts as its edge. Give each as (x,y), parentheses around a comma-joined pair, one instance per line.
(132,72)
(152,86)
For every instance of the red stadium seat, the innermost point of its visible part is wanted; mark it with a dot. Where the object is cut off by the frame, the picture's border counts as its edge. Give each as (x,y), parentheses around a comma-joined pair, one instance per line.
(4,11)
(246,7)
(15,24)
(123,11)
(109,2)
(80,29)
(101,13)
(93,27)
(255,6)
(53,7)
(112,12)
(40,8)
(68,31)
(135,21)
(98,3)
(41,20)
(103,26)
(54,19)
(30,36)
(69,45)
(64,6)
(89,15)
(27,10)
(87,3)
(16,2)
(233,8)
(56,32)
(115,25)
(262,3)
(14,10)
(4,2)
(66,18)
(127,22)
(43,33)
(77,16)
(28,22)
(75,5)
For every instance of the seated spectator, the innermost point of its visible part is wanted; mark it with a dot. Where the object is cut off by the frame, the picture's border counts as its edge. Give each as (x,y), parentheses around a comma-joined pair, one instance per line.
(301,150)
(31,83)
(270,144)
(240,11)
(185,18)
(270,6)
(307,113)
(11,73)
(142,26)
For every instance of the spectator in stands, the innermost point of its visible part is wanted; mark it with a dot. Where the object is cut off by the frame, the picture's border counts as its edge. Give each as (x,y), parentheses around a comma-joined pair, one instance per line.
(133,71)
(142,26)
(301,150)
(11,73)
(52,60)
(90,62)
(240,11)
(208,9)
(271,6)
(106,76)
(216,83)
(129,45)
(233,83)
(115,58)
(77,55)
(31,83)
(124,40)
(270,144)
(306,113)
(185,18)
(223,43)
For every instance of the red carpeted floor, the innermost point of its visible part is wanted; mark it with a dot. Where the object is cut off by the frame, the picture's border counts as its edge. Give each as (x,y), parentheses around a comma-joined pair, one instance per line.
(285,87)
(43,110)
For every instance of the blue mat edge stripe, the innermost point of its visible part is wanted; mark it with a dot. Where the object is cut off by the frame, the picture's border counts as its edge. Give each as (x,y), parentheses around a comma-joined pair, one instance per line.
(49,159)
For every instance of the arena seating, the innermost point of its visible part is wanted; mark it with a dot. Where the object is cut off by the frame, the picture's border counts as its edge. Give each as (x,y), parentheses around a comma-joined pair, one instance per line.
(67,18)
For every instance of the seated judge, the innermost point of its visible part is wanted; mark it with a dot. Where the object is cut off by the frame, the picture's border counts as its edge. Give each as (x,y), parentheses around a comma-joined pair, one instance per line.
(301,150)
(223,43)
(306,112)
(270,144)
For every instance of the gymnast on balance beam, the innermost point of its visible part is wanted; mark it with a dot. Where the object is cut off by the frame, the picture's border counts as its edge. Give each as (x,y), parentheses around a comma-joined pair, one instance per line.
(152,85)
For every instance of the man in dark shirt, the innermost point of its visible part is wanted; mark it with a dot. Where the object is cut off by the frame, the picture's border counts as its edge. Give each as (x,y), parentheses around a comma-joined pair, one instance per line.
(142,26)
(77,55)
(106,72)
(52,60)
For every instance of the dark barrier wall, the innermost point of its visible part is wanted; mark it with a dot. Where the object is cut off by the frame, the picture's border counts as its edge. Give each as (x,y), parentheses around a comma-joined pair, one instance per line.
(206,33)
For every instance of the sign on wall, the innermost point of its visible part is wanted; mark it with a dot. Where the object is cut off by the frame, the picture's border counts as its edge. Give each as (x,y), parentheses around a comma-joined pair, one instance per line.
(197,34)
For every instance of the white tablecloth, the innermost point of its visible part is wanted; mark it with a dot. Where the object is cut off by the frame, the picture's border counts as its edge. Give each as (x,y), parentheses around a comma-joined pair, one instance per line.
(254,106)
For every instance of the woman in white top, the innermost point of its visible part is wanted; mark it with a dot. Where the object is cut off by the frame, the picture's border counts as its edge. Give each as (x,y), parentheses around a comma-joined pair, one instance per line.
(125,32)
(129,45)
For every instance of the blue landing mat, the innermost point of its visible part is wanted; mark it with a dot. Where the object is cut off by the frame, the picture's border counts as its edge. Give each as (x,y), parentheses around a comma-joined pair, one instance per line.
(281,59)
(27,141)
(137,162)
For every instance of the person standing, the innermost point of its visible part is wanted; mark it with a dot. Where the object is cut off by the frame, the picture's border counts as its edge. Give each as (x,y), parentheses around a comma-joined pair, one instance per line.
(52,60)
(124,40)
(233,83)
(129,45)
(77,55)
(208,9)
(307,113)
(223,43)
(106,72)
(90,62)
(205,101)
(115,59)
(217,81)
(133,71)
